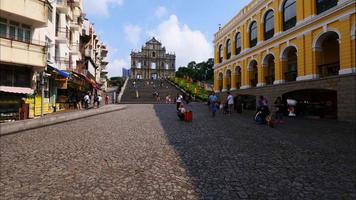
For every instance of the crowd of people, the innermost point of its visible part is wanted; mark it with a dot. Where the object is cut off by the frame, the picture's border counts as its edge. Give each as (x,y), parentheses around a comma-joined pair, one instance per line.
(263,113)
(85,101)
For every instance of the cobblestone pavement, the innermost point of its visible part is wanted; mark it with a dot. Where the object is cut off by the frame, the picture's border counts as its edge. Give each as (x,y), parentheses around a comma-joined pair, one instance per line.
(145,152)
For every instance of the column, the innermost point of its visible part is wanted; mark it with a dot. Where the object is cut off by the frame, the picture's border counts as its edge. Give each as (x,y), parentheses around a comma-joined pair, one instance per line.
(277,18)
(300,10)
(310,62)
(233,80)
(261,75)
(233,44)
(260,24)
(245,75)
(224,83)
(216,81)
(346,52)
(216,60)
(279,65)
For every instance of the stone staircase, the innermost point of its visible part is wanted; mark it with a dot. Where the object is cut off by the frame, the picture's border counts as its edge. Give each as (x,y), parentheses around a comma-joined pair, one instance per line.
(146,89)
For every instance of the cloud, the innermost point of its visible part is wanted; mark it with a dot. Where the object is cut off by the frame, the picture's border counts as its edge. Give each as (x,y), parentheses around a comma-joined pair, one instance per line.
(116,65)
(132,33)
(161,11)
(100,7)
(188,45)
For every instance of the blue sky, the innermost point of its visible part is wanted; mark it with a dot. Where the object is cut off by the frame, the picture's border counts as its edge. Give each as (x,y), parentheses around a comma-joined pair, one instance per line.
(185,27)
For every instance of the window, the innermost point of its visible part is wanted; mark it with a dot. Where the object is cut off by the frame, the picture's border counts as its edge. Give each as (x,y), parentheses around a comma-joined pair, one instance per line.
(27,33)
(289,14)
(228,49)
(19,77)
(3,27)
(253,34)
(153,54)
(269,25)
(324,5)
(13,30)
(238,43)
(220,54)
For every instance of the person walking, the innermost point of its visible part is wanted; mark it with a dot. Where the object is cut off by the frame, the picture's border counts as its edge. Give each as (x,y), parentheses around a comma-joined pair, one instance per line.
(86,101)
(230,102)
(179,100)
(212,99)
(99,100)
(278,104)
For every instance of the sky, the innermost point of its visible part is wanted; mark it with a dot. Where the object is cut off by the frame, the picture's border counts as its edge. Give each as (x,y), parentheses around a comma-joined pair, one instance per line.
(185,27)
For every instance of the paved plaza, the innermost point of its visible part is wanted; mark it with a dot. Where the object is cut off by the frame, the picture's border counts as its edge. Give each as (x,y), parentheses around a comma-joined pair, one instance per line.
(145,152)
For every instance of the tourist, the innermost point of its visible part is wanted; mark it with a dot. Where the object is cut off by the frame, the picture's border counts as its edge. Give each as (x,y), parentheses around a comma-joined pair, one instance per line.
(181,111)
(230,102)
(278,104)
(86,101)
(262,109)
(106,99)
(212,102)
(78,101)
(99,98)
(179,100)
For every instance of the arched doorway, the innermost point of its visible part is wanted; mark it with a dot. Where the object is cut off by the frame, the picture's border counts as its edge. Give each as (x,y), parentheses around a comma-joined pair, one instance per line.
(238,77)
(269,70)
(327,54)
(290,64)
(253,73)
(220,82)
(314,102)
(228,79)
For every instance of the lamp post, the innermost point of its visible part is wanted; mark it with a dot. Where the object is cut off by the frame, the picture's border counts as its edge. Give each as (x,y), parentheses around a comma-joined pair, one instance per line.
(42,77)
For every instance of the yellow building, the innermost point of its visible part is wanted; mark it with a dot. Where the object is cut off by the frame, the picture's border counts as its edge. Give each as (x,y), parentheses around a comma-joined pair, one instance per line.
(300,49)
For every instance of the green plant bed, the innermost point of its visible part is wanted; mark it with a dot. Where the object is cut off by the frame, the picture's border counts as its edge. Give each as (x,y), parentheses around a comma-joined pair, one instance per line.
(201,94)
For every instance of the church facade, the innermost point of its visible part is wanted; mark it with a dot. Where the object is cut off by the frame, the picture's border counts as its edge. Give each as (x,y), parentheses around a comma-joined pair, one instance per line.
(152,62)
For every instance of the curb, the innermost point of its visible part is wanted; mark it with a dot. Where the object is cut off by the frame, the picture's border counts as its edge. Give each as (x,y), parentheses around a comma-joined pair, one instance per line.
(24,125)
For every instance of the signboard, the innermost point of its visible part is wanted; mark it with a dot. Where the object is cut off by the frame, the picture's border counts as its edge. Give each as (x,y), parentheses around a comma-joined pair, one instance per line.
(62,84)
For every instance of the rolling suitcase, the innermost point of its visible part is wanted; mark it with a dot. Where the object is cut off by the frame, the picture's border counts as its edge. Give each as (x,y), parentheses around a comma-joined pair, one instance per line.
(188,116)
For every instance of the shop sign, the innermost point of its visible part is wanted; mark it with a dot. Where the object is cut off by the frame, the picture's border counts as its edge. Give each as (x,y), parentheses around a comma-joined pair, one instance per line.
(62,83)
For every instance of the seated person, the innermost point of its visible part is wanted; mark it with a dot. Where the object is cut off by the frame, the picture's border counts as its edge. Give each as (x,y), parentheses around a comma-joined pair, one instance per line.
(181,112)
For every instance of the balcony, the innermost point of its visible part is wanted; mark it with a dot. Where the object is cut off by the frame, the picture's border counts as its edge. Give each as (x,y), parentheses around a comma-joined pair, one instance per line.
(63,6)
(74,48)
(62,34)
(64,63)
(30,53)
(74,25)
(104,62)
(31,12)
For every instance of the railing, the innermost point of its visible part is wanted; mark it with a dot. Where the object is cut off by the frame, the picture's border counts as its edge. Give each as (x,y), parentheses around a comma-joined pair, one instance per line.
(74,47)
(23,40)
(330,69)
(290,76)
(63,61)
(62,32)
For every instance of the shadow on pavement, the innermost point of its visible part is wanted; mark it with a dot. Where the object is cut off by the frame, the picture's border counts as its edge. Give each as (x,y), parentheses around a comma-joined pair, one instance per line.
(230,157)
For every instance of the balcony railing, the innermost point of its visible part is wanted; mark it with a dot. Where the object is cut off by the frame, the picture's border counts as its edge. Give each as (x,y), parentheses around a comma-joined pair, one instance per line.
(64,62)
(62,32)
(22,51)
(331,69)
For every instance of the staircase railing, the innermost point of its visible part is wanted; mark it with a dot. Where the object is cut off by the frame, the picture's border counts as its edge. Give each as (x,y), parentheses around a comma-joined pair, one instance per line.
(122,90)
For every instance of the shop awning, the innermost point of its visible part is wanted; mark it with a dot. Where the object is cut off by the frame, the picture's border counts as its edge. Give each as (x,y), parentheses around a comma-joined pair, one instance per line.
(88,80)
(18,90)
(59,72)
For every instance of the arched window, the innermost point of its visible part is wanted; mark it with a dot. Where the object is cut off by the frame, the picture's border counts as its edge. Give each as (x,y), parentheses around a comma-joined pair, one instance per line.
(228,49)
(220,54)
(153,54)
(238,43)
(324,5)
(253,34)
(289,14)
(269,25)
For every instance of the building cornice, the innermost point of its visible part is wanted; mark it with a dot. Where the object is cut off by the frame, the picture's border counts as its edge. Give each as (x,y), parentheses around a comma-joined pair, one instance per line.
(294,32)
